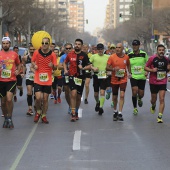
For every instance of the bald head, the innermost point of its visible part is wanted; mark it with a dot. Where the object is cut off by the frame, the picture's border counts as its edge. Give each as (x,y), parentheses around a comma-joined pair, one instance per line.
(119,48)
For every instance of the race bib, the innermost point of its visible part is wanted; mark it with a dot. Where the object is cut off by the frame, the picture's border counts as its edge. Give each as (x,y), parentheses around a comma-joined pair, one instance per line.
(120,73)
(31,76)
(67,79)
(5,73)
(137,69)
(78,81)
(43,77)
(161,75)
(101,75)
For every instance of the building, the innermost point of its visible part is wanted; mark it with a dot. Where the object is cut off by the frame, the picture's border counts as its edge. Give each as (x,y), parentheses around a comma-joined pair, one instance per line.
(76,15)
(157,4)
(117,12)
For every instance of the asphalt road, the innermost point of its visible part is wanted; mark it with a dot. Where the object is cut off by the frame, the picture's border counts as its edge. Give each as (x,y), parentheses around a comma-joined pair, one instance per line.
(92,143)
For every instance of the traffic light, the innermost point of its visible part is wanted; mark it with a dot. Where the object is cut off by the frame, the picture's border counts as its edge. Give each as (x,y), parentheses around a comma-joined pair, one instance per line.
(156,38)
(86,21)
(120,15)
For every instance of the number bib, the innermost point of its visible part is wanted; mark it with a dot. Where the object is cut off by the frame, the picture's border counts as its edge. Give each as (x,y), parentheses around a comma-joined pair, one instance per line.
(43,77)
(120,73)
(5,73)
(137,69)
(67,79)
(101,75)
(78,81)
(161,75)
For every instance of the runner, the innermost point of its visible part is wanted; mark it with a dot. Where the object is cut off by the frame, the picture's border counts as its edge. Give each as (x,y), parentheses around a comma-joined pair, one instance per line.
(68,48)
(78,63)
(43,61)
(99,62)
(118,63)
(10,67)
(58,81)
(88,74)
(158,66)
(138,59)
(26,60)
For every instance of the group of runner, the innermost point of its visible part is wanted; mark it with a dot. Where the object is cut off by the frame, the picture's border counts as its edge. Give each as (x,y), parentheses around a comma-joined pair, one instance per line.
(48,71)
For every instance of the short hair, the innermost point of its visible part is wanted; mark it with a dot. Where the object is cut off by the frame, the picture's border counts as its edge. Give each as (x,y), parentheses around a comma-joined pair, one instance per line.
(79,40)
(160,45)
(68,44)
(52,43)
(46,38)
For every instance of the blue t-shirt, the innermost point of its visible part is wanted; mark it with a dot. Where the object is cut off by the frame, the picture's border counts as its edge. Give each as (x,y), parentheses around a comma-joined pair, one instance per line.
(62,58)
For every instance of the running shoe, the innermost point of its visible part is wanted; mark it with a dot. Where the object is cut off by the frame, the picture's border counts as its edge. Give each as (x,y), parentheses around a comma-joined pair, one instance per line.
(36,118)
(30,112)
(101,111)
(152,109)
(5,124)
(55,101)
(44,120)
(140,102)
(97,106)
(10,124)
(15,98)
(51,96)
(85,101)
(21,92)
(77,116)
(159,119)
(112,104)
(135,111)
(73,117)
(120,117)
(59,100)
(115,114)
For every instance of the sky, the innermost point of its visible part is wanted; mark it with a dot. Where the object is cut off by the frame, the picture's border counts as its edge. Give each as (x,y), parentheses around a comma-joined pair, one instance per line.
(95,12)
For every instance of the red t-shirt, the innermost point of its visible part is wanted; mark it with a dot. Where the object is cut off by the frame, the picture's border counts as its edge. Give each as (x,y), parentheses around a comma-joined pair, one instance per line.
(43,75)
(10,61)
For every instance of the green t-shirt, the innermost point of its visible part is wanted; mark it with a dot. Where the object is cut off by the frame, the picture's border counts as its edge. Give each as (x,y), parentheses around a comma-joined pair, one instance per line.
(99,61)
(137,63)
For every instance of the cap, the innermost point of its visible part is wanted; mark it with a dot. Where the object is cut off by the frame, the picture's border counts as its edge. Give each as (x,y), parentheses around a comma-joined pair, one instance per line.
(100,46)
(6,39)
(112,46)
(136,42)
(15,47)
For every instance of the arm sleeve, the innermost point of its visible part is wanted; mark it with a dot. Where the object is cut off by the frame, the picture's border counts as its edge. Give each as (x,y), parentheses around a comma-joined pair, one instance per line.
(62,59)
(109,61)
(67,59)
(33,59)
(149,62)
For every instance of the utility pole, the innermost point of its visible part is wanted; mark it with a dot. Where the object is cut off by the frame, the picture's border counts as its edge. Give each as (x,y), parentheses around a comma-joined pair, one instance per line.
(142,9)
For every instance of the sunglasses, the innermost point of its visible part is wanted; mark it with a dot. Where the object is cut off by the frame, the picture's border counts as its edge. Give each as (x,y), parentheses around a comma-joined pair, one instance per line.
(68,48)
(45,43)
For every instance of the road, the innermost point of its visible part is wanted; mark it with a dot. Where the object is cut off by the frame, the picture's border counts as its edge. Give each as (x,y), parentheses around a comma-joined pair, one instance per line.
(92,143)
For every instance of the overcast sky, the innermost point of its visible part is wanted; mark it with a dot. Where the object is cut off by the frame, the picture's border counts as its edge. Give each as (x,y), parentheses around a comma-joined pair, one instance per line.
(95,12)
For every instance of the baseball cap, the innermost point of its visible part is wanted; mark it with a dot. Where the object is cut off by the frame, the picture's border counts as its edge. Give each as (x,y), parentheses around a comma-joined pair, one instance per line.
(15,47)
(6,39)
(112,46)
(100,46)
(136,42)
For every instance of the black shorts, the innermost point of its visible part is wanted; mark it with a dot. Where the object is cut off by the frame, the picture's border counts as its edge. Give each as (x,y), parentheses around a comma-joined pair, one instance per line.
(19,80)
(57,81)
(139,83)
(115,88)
(73,86)
(42,88)
(154,89)
(29,82)
(99,84)
(109,81)
(64,81)
(88,75)
(7,87)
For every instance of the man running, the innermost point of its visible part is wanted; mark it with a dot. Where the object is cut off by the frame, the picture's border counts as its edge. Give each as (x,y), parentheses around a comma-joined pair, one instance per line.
(88,74)
(138,59)
(10,67)
(118,63)
(78,63)
(99,62)
(43,61)
(26,60)
(158,66)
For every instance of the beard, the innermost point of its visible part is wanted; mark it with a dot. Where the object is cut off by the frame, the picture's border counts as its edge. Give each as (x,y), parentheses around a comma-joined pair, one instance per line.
(77,49)
(5,49)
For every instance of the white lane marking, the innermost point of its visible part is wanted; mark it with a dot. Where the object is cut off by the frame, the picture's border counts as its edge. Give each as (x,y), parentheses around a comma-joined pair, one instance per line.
(22,151)
(80,112)
(77,140)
